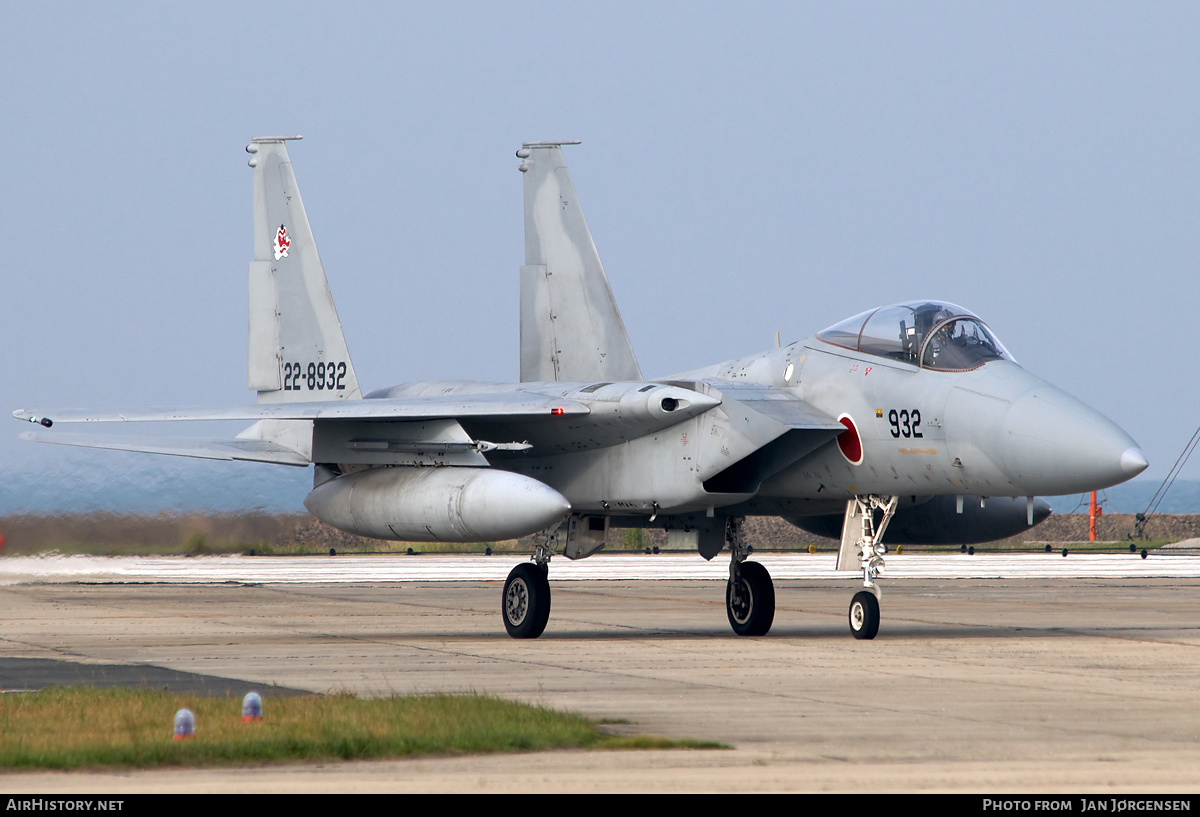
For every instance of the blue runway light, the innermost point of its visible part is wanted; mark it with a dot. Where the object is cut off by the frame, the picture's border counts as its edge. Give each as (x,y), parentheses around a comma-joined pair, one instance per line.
(252,707)
(185,725)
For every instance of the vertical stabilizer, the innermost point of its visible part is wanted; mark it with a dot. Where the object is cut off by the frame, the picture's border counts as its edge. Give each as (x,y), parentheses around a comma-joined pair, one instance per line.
(297,350)
(571,328)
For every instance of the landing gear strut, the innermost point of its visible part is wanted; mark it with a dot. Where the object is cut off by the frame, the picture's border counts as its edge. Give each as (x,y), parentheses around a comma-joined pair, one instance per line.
(862,542)
(749,595)
(525,604)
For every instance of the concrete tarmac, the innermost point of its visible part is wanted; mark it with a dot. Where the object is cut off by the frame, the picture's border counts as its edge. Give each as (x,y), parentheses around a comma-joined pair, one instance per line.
(994,685)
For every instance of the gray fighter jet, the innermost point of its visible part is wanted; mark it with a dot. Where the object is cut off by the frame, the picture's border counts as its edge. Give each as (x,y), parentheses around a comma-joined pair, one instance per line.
(913,415)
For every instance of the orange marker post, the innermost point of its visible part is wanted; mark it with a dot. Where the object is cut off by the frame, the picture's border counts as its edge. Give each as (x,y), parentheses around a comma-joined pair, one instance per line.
(1094,513)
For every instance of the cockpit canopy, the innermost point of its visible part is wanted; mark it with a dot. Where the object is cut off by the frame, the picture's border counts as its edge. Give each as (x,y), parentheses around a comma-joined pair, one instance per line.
(930,334)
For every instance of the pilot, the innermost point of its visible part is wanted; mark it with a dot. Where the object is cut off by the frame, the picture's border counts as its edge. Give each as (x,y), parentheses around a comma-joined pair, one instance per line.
(913,338)
(942,336)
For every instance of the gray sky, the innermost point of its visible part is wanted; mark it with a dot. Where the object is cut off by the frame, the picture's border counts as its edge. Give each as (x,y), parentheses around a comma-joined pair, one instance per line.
(746,168)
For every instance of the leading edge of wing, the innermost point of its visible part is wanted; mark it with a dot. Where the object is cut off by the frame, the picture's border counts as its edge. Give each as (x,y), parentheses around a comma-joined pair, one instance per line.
(416,408)
(206,448)
(780,405)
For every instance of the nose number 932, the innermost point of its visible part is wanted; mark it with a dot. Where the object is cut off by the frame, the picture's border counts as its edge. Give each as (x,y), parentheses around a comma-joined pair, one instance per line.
(314,376)
(905,423)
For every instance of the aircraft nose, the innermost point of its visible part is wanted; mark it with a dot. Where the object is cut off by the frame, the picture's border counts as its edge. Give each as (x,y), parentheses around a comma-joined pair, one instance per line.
(1055,444)
(1133,461)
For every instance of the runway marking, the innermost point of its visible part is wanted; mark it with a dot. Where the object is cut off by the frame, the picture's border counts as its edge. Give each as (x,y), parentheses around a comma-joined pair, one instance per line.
(602,567)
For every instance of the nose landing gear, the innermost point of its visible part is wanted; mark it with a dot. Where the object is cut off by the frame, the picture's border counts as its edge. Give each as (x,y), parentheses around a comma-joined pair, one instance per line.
(862,549)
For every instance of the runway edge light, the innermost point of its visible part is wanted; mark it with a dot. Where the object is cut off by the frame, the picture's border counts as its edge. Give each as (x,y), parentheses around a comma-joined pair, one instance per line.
(185,725)
(252,707)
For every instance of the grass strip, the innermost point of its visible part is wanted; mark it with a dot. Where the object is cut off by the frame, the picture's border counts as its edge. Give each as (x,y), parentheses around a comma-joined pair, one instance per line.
(87,727)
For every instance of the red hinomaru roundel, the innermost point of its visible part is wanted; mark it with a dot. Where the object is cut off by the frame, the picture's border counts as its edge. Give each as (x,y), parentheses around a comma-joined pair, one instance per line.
(282,242)
(849,443)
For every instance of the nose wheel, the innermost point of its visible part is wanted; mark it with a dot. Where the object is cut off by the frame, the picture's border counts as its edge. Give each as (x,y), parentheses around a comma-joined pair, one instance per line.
(864,615)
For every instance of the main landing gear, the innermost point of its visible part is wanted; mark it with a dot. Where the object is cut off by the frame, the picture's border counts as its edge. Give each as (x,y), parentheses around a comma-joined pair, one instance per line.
(750,594)
(867,518)
(526,600)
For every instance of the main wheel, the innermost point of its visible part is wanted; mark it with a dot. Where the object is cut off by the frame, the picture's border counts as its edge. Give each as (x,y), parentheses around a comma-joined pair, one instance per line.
(864,615)
(526,601)
(750,600)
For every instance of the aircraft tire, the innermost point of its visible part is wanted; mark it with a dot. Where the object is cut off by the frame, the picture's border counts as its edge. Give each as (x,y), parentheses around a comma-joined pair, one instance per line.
(752,610)
(864,615)
(525,604)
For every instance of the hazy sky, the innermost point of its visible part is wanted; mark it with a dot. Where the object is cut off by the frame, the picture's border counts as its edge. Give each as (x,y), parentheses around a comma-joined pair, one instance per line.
(745,169)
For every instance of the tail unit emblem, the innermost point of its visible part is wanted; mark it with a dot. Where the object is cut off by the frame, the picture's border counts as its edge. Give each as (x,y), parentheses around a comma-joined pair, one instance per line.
(282,242)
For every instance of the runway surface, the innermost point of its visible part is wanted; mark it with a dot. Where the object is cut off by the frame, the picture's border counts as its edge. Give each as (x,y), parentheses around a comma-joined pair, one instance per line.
(625,566)
(1039,674)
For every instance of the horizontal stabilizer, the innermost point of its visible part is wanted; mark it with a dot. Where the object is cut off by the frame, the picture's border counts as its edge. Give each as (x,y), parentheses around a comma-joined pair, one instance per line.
(200,447)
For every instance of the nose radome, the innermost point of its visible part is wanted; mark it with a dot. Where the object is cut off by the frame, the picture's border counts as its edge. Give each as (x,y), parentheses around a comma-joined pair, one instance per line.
(1133,461)
(1055,444)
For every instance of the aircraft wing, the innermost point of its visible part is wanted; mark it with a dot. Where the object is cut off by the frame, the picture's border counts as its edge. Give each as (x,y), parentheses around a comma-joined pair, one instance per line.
(430,424)
(770,428)
(518,404)
(207,448)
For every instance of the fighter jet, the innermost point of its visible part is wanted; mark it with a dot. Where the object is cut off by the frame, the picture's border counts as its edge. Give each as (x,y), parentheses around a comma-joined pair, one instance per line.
(912,414)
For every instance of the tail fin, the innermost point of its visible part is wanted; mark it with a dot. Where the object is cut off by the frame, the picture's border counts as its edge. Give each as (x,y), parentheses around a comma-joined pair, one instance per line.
(297,350)
(571,328)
